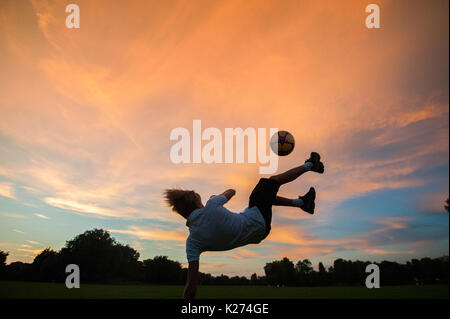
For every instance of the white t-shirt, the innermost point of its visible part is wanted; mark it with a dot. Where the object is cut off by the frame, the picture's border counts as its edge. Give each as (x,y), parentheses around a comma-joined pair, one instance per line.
(215,228)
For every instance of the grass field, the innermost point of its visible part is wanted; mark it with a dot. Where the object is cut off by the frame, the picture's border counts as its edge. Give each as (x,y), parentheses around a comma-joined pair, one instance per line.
(34,290)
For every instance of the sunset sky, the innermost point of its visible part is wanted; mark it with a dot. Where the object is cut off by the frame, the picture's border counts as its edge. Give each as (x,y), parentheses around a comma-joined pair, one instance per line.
(86,116)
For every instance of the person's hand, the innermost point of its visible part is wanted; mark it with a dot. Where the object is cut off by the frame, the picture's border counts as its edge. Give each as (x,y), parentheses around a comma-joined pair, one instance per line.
(229,193)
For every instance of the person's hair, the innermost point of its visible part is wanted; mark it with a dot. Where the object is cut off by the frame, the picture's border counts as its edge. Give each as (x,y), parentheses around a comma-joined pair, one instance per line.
(181,201)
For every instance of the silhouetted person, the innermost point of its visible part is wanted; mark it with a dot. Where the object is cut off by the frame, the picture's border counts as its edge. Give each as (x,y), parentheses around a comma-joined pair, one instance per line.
(212,227)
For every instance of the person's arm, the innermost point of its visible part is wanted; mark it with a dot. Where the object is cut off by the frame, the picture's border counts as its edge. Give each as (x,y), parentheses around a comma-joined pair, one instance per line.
(229,193)
(192,280)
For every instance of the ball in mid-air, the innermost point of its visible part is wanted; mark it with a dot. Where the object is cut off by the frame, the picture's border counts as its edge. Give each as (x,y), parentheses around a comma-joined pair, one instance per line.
(282,143)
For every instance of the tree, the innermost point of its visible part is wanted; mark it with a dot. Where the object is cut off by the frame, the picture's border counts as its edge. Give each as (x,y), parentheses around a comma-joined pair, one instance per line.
(394,273)
(19,271)
(162,270)
(341,271)
(3,257)
(321,268)
(47,266)
(280,272)
(221,280)
(100,257)
(304,267)
(304,272)
(253,279)
(322,278)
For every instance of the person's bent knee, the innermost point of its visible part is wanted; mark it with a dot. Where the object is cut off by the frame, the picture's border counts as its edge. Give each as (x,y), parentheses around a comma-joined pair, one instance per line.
(274,178)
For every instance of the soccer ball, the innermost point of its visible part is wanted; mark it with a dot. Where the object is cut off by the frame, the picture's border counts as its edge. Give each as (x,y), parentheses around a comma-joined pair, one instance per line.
(282,143)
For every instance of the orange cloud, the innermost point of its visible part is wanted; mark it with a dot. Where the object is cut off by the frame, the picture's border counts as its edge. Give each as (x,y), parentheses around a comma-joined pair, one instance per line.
(33,242)
(390,252)
(100,105)
(243,253)
(79,207)
(32,251)
(138,73)
(434,203)
(41,216)
(152,234)
(13,215)
(393,223)
(302,243)
(7,190)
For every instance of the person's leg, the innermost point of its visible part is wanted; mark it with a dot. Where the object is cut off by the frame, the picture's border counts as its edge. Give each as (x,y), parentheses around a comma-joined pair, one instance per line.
(283,201)
(264,195)
(311,164)
(291,174)
(306,202)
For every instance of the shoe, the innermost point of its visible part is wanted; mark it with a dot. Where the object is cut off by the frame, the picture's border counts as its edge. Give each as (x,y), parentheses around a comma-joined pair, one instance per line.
(308,201)
(317,164)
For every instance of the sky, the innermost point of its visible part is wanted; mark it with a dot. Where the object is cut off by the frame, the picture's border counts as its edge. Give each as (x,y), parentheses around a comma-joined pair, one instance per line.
(86,116)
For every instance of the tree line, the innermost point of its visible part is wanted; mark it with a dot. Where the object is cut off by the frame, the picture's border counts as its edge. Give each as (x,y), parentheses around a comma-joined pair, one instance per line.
(104,260)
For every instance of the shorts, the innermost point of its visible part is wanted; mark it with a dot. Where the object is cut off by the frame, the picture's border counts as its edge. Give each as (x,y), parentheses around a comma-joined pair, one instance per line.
(263,196)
